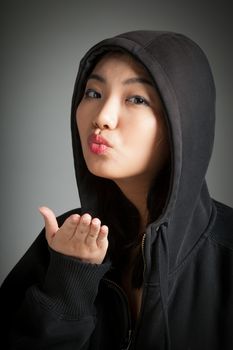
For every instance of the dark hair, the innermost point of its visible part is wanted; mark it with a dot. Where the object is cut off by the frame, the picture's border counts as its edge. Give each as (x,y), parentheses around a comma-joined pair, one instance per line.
(123,220)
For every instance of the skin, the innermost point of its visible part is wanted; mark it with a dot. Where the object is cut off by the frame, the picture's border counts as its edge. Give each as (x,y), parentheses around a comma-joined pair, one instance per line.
(81,237)
(129,115)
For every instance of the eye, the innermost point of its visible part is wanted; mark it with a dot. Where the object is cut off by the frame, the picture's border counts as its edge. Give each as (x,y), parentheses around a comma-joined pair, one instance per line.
(90,93)
(138,100)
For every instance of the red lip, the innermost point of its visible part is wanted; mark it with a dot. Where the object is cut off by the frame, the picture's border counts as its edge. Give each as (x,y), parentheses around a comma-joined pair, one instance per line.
(98,144)
(100,140)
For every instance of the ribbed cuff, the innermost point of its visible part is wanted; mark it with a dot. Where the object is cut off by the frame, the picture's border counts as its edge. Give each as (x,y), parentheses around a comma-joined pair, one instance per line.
(71,286)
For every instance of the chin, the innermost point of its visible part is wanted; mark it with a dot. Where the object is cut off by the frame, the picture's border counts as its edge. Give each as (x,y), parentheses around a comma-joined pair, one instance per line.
(101,172)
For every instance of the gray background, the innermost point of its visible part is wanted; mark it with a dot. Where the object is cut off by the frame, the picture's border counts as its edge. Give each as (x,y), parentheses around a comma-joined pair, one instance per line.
(42,43)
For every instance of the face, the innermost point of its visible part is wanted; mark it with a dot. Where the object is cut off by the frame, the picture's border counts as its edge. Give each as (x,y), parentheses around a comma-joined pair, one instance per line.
(122,130)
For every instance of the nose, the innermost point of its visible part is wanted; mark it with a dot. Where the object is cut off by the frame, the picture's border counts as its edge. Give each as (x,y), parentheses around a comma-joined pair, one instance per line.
(107,115)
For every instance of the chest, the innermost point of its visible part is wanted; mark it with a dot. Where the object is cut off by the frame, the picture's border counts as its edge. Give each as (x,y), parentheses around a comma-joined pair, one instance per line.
(134,295)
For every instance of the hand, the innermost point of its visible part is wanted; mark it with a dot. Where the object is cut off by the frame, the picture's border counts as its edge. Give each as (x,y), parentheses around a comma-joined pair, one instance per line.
(80,236)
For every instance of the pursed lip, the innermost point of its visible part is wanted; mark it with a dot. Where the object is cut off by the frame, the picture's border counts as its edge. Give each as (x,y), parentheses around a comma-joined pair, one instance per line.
(98,144)
(98,139)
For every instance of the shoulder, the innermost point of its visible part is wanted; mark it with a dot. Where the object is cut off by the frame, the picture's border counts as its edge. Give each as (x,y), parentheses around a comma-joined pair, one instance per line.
(222,231)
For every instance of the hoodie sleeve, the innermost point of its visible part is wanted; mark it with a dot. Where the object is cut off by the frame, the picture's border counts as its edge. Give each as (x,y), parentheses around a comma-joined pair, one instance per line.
(60,313)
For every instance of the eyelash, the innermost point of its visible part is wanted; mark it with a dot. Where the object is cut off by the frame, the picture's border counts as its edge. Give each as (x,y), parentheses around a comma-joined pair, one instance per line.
(142,100)
(88,91)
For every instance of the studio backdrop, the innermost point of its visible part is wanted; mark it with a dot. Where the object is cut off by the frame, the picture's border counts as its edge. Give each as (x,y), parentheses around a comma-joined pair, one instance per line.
(42,43)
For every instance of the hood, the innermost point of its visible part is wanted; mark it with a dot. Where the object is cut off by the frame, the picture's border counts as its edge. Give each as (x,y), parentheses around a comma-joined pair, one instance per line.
(183,77)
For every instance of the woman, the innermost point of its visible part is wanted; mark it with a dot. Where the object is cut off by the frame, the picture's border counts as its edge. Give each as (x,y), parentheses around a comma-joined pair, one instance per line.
(147,262)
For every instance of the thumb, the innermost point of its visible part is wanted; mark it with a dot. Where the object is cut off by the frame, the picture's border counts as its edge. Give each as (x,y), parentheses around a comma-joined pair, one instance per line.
(50,220)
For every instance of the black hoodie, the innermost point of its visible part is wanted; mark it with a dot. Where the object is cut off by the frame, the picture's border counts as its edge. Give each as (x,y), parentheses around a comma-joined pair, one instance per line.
(52,301)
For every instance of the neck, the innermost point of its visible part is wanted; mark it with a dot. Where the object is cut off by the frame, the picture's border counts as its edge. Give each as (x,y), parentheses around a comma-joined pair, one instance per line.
(136,193)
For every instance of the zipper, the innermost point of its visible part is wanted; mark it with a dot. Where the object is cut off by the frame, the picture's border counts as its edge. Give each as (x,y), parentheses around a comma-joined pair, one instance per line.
(133,337)
(136,330)
(131,334)
(143,254)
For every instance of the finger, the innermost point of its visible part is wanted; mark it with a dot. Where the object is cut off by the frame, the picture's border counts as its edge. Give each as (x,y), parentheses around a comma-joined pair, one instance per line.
(69,226)
(83,227)
(93,232)
(51,225)
(103,234)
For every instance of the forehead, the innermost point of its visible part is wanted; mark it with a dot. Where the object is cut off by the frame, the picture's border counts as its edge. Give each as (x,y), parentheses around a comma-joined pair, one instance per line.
(121,63)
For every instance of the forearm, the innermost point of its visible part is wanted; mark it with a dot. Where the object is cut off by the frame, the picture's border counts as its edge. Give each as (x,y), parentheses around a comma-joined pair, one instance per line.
(59,314)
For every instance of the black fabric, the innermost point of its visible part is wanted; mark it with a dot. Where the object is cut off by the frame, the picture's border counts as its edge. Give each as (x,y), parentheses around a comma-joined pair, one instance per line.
(50,301)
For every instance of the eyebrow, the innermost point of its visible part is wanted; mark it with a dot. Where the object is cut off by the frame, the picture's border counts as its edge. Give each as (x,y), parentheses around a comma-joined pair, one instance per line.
(134,80)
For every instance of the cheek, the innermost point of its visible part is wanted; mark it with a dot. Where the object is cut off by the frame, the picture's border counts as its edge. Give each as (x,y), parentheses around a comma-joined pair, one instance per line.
(146,145)
(143,135)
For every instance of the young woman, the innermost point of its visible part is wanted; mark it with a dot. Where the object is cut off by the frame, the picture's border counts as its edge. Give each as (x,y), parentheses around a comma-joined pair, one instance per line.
(147,261)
